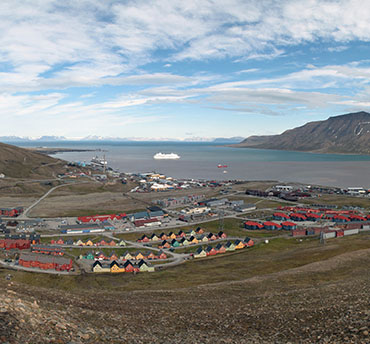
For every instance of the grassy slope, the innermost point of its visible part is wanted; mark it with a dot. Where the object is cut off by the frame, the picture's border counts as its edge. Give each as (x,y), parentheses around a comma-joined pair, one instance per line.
(279,255)
(21,163)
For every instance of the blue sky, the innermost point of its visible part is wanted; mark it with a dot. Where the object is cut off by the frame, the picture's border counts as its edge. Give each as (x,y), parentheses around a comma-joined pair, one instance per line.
(171,69)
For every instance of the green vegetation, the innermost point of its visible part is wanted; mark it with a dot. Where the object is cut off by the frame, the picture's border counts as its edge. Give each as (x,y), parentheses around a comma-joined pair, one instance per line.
(279,255)
(339,200)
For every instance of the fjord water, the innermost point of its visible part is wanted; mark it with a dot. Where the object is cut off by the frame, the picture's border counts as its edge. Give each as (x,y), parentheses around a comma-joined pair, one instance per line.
(200,160)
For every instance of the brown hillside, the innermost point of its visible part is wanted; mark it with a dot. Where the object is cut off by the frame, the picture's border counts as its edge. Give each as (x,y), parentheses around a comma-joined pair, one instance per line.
(348,133)
(18,162)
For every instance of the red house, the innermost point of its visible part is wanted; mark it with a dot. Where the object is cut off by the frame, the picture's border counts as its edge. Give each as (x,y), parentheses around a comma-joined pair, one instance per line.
(45,262)
(161,255)
(210,251)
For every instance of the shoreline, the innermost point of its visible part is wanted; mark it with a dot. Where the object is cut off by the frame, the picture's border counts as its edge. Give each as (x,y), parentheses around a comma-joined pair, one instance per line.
(51,151)
(238,145)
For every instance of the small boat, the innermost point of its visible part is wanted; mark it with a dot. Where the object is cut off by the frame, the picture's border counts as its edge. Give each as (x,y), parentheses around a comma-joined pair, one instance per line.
(224,171)
(166,156)
(221,166)
(98,161)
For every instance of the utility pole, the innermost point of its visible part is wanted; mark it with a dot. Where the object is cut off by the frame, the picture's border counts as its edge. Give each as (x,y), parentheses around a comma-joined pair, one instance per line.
(322,240)
(221,223)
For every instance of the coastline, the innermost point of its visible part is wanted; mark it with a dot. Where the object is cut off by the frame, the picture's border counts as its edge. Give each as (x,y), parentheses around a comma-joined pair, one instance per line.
(51,151)
(238,145)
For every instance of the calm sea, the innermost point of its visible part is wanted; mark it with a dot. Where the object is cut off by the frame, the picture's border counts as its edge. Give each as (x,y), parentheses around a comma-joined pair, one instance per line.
(200,160)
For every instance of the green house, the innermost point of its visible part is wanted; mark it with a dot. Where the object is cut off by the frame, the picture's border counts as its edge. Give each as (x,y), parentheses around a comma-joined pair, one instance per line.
(89,256)
(175,243)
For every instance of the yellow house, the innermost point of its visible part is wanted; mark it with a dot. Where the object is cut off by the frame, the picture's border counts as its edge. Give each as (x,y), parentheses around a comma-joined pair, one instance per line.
(122,243)
(80,243)
(239,245)
(173,236)
(139,256)
(89,243)
(193,240)
(114,268)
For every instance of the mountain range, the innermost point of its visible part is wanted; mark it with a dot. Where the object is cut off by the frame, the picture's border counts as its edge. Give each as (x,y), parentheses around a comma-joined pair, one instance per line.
(15,139)
(349,134)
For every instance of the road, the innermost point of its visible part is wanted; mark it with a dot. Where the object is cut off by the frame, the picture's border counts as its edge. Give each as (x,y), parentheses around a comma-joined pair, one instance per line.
(24,215)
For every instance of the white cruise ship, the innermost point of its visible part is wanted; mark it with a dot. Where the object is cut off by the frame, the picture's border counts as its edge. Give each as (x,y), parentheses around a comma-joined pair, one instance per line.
(169,156)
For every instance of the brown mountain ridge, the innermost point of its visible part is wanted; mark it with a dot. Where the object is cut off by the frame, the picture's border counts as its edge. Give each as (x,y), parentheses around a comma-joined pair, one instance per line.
(16,162)
(348,134)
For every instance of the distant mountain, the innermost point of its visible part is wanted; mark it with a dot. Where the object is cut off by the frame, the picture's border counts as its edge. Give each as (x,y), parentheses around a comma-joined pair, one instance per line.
(348,133)
(28,139)
(228,139)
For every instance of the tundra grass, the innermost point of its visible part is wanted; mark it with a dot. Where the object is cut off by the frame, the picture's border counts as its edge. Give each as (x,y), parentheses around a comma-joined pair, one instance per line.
(279,255)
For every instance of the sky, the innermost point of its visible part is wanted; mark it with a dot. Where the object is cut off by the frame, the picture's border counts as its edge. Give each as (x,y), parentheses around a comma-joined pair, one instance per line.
(174,69)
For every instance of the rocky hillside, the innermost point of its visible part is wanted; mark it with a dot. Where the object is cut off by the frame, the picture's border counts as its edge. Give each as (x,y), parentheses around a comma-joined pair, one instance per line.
(18,162)
(348,133)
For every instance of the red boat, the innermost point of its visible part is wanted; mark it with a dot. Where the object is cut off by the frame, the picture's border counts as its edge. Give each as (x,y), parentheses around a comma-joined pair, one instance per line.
(221,166)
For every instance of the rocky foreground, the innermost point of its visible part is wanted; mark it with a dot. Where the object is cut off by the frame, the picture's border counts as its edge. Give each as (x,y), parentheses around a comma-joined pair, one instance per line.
(325,302)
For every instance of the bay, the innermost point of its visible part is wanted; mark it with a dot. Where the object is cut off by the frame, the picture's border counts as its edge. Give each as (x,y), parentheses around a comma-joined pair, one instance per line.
(200,160)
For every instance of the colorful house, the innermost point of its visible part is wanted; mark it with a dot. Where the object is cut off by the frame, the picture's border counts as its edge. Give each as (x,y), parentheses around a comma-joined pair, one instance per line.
(127,256)
(138,256)
(113,256)
(220,248)
(163,236)
(239,245)
(150,255)
(193,240)
(89,243)
(230,246)
(122,243)
(211,237)
(128,266)
(161,255)
(116,268)
(248,242)
(181,234)
(154,237)
(203,238)
(184,242)
(171,235)
(144,267)
(165,244)
(199,231)
(210,251)
(221,235)
(175,243)
(200,253)
(99,267)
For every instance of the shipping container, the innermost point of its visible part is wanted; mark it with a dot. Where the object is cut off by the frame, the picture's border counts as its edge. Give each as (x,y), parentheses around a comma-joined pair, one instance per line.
(350,231)
(329,235)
